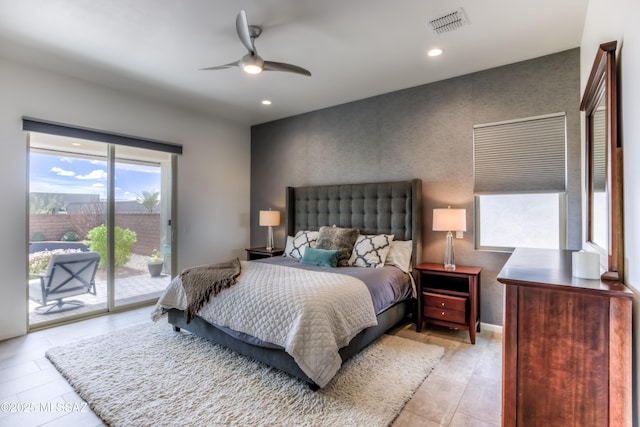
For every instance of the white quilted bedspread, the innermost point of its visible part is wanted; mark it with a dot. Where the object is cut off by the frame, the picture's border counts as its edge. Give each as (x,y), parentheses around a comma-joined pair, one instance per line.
(311,314)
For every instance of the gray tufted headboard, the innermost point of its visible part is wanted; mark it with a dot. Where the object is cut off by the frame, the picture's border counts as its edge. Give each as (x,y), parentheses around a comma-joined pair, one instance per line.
(373,208)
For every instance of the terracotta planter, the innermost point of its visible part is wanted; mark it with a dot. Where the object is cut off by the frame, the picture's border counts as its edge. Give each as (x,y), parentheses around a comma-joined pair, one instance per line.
(155,268)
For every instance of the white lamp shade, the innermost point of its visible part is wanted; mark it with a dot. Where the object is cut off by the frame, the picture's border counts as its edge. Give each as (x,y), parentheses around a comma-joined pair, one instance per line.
(270,218)
(449,219)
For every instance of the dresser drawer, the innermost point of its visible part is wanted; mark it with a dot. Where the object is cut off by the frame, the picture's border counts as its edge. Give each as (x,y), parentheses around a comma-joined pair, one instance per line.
(453,316)
(444,301)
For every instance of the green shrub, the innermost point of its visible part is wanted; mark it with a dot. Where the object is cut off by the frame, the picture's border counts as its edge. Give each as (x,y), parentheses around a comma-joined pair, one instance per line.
(38,237)
(70,236)
(124,240)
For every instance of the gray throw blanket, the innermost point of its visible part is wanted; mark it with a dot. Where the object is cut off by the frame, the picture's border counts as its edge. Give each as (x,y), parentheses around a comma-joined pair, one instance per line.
(201,282)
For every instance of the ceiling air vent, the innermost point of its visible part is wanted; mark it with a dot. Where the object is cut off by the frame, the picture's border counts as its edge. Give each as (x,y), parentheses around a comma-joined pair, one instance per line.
(448,22)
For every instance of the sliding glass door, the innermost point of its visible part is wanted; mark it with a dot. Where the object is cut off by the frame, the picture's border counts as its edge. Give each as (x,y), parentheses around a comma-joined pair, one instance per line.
(93,196)
(141,219)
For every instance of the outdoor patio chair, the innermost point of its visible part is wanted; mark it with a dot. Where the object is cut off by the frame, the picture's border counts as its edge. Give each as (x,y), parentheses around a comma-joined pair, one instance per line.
(67,275)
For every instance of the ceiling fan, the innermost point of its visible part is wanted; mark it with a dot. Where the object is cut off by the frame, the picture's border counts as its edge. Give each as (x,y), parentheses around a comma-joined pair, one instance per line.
(252,63)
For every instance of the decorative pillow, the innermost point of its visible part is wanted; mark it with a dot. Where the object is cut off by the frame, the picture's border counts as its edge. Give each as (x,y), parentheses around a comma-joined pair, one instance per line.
(338,238)
(400,255)
(371,250)
(296,245)
(321,257)
(290,252)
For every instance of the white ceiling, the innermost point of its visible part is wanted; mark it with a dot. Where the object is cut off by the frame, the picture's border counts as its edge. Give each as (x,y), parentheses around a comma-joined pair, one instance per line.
(354,48)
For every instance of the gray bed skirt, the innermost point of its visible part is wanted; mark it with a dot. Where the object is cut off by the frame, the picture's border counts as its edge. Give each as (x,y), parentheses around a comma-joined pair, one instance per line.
(279,358)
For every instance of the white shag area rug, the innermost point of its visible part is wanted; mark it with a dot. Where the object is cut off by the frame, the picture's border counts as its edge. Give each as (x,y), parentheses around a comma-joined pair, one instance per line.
(149,375)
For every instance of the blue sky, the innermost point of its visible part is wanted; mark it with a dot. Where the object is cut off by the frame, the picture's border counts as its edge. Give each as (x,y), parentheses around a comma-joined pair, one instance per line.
(60,174)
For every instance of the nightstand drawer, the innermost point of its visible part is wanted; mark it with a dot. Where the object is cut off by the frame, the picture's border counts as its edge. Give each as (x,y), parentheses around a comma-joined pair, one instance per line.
(453,316)
(444,301)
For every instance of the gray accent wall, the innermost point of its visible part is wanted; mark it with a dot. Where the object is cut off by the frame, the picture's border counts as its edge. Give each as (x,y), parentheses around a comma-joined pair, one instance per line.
(423,132)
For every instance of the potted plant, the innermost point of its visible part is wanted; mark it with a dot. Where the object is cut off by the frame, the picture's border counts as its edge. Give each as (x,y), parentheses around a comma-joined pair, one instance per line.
(155,263)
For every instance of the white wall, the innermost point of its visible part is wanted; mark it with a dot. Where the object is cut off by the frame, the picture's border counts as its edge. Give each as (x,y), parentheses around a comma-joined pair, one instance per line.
(609,20)
(213,172)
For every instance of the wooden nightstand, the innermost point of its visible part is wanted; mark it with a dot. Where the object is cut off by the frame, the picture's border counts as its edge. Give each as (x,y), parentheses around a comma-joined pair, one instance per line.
(449,298)
(258,253)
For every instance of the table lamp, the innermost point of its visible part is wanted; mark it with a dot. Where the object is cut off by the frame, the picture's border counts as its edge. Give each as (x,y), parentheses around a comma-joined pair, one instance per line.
(269,219)
(449,220)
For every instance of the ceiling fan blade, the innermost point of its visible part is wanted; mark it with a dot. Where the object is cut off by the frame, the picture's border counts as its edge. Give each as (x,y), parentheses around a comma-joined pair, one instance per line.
(242,28)
(281,66)
(222,67)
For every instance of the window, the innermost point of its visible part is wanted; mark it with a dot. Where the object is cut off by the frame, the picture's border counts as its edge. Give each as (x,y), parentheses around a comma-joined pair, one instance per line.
(520,183)
(507,221)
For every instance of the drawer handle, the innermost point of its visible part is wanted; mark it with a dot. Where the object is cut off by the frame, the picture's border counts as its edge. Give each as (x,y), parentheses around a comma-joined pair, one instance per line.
(443,313)
(442,304)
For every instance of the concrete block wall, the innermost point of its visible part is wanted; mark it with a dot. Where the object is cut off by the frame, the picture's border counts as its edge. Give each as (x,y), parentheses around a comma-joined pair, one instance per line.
(145,225)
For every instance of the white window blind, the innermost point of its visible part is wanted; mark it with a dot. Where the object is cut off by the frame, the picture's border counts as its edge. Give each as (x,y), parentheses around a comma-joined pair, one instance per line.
(520,156)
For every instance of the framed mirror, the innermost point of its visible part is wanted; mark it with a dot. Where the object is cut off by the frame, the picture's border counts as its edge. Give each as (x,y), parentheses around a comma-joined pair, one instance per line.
(603,162)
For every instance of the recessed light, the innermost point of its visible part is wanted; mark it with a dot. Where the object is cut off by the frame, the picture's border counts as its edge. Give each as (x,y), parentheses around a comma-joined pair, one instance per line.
(435,52)
(266,102)
(76,144)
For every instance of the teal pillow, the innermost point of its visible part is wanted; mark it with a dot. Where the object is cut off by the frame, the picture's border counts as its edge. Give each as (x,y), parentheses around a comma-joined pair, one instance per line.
(321,257)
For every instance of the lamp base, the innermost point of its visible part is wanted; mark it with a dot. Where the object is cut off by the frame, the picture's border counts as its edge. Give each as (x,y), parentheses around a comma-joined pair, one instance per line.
(449,259)
(270,239)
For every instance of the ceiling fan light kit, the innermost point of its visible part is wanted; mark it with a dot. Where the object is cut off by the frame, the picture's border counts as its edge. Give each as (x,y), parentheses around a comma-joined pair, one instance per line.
(252,63)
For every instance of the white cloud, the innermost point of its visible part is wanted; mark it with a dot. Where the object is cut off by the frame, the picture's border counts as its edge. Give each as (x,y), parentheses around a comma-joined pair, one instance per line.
(62,172)
(97,174)
(66,160)
(139,168)
(98,185)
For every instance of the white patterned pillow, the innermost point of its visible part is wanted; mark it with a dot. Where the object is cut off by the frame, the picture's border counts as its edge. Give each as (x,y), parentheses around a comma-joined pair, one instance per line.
(371,250)
(296,245)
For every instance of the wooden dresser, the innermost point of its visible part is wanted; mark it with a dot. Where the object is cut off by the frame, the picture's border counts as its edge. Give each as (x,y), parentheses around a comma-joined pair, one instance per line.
(566,345)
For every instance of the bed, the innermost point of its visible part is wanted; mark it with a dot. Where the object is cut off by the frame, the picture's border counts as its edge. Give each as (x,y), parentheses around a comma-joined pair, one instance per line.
(385,208)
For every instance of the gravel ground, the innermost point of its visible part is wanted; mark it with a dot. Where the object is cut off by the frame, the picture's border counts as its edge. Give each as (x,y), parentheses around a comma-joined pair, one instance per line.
(137,262)
(136,266)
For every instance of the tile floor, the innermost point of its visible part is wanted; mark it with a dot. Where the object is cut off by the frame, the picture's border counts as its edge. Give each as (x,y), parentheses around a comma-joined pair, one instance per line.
(463,390)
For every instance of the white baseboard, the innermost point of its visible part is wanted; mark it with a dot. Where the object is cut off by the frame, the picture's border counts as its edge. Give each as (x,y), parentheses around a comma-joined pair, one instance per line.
(490,327)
